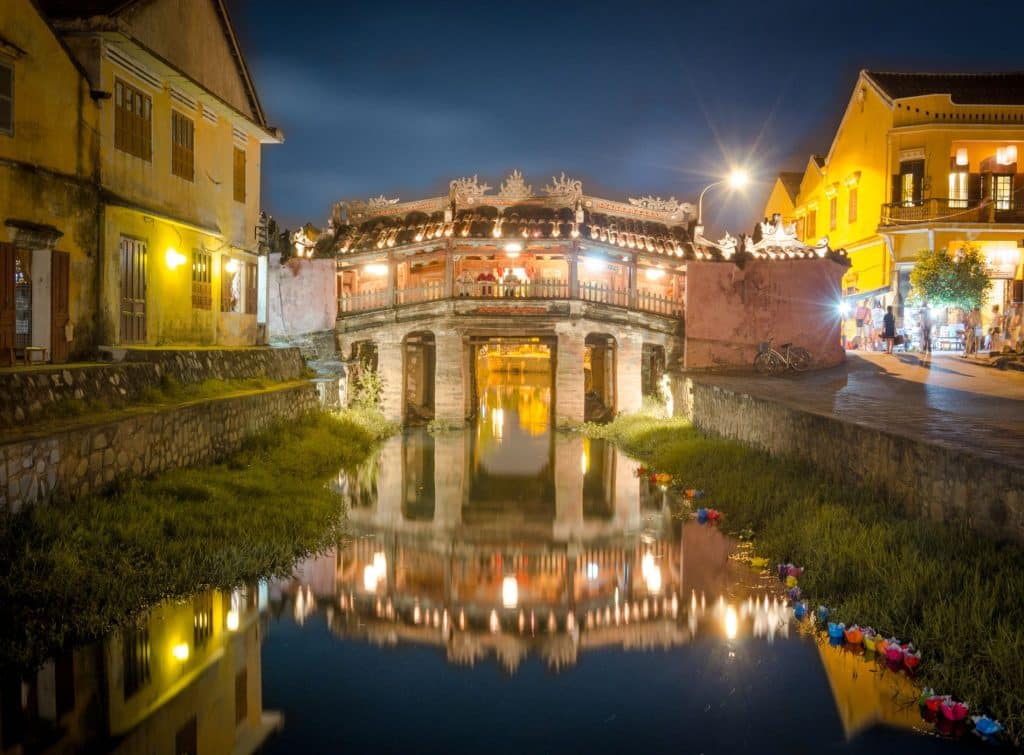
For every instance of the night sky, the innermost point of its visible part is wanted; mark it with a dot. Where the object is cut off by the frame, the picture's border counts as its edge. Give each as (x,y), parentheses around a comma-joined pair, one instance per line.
(633,98)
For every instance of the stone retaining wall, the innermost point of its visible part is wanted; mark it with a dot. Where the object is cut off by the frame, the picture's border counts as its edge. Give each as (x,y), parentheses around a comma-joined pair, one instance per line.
(76,462)
(27,395)
(222,364)
(931,480)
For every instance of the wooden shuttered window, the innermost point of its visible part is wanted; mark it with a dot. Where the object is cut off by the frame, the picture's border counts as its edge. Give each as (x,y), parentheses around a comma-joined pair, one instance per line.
(133,121)
(6,99)
(202,280)
(833,213)
(250,288)
(183,146)
(239,175)
(812,223)
(852,210)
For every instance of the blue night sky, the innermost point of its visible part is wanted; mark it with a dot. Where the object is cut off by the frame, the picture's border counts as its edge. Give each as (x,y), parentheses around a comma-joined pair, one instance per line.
(634,98)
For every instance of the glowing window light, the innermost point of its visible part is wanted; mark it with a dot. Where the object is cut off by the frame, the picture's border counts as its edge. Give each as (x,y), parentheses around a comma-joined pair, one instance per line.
(231,621)
(509,592)
(231,265)
(180,651)
(376,268)
(961,156)
(370,578)
(593,570)
(654,274)
(593,265)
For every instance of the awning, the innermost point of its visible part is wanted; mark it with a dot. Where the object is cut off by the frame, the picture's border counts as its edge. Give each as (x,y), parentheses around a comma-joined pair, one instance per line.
(869,294)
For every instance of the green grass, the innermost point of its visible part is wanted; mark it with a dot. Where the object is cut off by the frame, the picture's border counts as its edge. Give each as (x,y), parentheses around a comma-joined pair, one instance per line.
(958,596)
(72,571)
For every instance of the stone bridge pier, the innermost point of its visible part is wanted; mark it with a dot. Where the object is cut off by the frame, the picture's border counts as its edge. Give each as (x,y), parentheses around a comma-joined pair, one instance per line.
(428,363)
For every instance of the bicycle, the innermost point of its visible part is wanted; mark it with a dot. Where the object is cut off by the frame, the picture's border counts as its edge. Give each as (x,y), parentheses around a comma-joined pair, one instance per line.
(771,361)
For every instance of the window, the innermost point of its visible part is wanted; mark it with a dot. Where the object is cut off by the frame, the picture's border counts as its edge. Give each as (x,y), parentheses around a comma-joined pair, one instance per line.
(239,174)
(202,287)
(250,288)
(1002,191)
(800,228)
(202,619)
(910,183)
(812,223)
(230,293)
(183,146)
(958,189)
(133,119)
(241,696)
(833,213)
(135,655)
(852,210)
(6,99)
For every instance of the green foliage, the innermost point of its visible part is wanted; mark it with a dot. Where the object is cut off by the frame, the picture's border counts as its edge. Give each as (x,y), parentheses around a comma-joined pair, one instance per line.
(955,594)
(72,571)
(950,281)
(366,388)
(441,426)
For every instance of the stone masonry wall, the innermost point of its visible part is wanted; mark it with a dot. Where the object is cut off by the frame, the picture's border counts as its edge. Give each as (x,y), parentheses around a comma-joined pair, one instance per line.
(931,480)
(25,395)
(76,462)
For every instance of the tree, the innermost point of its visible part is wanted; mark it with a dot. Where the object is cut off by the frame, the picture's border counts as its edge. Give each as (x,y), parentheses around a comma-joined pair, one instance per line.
(946,280)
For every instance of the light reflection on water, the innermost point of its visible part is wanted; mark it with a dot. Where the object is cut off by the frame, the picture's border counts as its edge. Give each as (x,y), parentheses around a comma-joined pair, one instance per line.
(506,588)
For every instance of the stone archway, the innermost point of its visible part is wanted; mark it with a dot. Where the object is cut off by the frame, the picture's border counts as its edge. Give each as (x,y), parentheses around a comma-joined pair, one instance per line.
(419,360)
(599,372)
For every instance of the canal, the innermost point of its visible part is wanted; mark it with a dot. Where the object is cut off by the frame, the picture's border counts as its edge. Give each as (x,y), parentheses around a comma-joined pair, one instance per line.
(504,589)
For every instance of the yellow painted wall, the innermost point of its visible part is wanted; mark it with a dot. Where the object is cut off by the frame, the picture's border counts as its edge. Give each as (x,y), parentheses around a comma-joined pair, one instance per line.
(47,166)
(779,202)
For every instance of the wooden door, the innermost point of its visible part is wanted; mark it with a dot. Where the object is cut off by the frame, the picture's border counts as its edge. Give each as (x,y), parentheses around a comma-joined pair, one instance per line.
(60,267)
(7,309)
(133,291)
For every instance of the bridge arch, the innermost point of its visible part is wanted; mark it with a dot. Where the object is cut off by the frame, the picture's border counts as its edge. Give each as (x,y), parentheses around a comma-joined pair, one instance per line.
(419,366)
(599,376)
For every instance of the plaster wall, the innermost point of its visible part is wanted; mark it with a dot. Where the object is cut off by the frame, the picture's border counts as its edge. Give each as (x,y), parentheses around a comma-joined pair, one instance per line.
(730,310)
(302,297)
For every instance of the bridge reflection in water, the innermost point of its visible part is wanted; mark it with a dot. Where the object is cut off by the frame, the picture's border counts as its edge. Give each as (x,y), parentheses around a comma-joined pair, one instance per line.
(509,544)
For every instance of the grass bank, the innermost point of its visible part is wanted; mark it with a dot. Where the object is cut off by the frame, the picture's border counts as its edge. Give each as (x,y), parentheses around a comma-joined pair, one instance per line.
(70,572)
(959,597)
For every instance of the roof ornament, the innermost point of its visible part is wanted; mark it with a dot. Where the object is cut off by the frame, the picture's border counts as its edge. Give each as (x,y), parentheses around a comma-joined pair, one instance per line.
(727,245)
(376,204)
(656,204)
(568,190)
(467,190)
(515,188)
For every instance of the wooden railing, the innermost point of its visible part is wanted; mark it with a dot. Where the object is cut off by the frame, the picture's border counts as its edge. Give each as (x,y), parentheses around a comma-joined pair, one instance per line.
(538,289)
(940,210)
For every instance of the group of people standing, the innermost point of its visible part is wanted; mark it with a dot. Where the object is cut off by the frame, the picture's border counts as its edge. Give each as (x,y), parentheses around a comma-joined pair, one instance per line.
(486,283)
(1004,331)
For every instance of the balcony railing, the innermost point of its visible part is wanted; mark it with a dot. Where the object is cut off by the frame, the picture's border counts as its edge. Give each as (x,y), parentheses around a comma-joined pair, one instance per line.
(540,289)
(939,210)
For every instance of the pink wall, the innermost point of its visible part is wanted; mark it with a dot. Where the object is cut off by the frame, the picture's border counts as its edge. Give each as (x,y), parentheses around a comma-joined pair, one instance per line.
(302,297)
(730,310)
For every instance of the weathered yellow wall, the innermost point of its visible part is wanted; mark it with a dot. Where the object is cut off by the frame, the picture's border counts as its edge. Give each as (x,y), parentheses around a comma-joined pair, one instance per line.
(47,167)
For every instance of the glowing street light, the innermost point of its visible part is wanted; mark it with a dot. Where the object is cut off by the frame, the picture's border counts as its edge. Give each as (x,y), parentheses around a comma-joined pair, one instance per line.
(737,179)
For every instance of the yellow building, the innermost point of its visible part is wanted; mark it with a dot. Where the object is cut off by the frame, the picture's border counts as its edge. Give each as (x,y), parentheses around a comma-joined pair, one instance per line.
(187,678)
(919,161)
(160,136)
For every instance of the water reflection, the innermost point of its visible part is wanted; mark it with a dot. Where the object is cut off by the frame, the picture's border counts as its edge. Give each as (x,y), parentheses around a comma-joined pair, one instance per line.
(186,678)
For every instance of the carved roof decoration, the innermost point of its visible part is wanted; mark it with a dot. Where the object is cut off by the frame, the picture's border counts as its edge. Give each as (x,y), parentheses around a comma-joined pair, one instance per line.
(777,240)
(515,188)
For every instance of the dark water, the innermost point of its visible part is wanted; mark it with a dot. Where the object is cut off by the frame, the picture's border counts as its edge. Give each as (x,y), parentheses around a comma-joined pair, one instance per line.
(506,589)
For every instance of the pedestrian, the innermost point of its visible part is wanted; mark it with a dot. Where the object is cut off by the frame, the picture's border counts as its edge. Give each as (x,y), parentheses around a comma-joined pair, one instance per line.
(995,331)
(465,281)
(926,330)
(1015,329)
(877,325)
(863,319)
(510,282)
(889,329)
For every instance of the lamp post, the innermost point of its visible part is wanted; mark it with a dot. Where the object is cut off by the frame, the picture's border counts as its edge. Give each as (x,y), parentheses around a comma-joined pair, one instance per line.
(737,179)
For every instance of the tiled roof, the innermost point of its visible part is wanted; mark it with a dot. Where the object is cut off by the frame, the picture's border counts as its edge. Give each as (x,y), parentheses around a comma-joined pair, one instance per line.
(963,88)
(527,223)
(83,8)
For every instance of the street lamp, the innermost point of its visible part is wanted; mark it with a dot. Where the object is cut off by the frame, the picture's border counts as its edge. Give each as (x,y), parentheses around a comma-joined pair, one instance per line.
(737,179)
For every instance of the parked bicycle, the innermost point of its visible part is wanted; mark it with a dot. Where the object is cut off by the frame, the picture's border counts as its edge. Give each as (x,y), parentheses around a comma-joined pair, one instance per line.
(772,361)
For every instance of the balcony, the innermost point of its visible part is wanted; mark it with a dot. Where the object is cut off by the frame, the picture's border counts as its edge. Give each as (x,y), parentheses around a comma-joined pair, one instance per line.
(939,210)
(594,292)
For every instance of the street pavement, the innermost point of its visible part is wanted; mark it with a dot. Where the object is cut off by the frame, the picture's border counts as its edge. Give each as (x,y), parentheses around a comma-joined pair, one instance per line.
(945,400)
